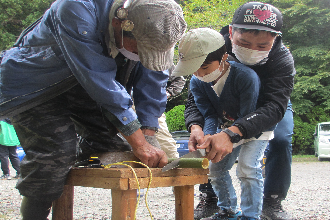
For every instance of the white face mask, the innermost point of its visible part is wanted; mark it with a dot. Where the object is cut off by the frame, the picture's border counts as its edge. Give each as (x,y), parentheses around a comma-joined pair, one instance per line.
(128,54)
(211,76)
(248,56)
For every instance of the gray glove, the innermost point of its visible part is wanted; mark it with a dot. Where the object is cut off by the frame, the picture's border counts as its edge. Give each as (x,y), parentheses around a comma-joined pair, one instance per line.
(152,140)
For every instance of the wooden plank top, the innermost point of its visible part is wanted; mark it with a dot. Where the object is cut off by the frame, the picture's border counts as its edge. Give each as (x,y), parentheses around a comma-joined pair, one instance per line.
(124,179)
(140,172)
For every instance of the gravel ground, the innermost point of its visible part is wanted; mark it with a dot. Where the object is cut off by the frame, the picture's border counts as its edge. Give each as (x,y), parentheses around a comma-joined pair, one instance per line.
(308,198)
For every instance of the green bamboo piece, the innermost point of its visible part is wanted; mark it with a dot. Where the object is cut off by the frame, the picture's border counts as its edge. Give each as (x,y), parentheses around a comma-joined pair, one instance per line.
(191,162)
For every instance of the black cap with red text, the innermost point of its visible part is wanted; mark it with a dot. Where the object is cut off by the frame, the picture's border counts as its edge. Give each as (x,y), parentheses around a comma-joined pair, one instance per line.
(258,15)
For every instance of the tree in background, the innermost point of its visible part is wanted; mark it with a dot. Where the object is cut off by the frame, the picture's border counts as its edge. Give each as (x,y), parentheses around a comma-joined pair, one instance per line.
(306,33)
(175,118)
(16,15)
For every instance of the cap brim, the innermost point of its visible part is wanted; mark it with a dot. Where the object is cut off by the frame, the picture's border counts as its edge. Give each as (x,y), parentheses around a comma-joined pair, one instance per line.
(187,67)
(155,59)
(256,27)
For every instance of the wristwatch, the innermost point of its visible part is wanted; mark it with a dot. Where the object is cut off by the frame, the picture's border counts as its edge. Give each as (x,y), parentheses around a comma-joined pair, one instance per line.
(234,137)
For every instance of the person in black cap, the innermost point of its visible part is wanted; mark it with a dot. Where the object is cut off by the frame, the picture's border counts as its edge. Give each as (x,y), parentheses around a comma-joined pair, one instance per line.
(254,39)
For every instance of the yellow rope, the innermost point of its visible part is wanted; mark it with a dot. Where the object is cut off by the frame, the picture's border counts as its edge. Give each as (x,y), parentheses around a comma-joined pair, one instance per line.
(136,178)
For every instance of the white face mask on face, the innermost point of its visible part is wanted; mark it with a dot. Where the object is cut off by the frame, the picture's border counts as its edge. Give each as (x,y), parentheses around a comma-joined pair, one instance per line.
(248,56)
(211,76)
(128,54)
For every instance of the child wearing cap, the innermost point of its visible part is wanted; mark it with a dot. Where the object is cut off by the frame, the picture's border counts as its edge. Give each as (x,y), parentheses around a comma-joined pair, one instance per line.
(225,91)
(254,39)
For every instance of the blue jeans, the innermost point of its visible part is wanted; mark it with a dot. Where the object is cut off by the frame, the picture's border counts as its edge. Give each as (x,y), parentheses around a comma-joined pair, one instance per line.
(250,175)
(279,157)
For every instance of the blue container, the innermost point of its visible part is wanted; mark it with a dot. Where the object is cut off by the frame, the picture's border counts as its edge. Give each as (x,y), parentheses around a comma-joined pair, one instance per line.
(20,152)
(181,138)
(183,148)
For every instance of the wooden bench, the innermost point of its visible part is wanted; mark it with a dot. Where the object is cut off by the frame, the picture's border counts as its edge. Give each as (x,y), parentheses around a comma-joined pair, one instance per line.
(124,187)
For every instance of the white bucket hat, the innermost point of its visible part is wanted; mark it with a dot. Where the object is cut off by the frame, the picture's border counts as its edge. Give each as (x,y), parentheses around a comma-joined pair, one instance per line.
(194,47)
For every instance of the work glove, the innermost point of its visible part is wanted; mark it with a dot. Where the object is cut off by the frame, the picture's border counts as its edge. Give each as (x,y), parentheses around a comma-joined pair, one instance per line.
(152,140)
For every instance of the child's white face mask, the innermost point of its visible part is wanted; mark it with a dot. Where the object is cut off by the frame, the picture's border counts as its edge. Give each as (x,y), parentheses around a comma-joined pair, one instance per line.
(211,76)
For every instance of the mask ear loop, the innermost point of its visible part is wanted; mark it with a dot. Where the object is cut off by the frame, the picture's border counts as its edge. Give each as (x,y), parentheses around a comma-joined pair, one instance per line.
(122,38)
(223,63)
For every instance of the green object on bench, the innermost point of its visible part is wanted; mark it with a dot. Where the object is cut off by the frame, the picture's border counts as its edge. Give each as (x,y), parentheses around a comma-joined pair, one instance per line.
(191,162)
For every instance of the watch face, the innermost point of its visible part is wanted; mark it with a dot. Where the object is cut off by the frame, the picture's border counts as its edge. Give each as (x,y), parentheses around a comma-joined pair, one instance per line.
(236,138)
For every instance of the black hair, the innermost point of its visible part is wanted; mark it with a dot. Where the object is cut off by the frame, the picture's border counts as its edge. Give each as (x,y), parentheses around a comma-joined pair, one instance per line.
(253,31)
(216,55)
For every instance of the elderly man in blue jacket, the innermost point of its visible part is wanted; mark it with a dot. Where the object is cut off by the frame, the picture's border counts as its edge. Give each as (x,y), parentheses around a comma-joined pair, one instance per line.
(71,72)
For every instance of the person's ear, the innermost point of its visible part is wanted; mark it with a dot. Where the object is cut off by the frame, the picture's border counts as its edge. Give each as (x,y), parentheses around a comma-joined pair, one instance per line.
(116,23)
(230,32)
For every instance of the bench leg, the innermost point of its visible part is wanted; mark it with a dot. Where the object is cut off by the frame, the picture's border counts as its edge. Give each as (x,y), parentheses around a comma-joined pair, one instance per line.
(123,204)
(184,202)
(63,207)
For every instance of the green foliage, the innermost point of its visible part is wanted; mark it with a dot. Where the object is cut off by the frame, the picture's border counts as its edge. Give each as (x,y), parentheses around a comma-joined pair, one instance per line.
(302,138)
(15,15)
(209,13)
(175,118)
(304,127)
(306,32)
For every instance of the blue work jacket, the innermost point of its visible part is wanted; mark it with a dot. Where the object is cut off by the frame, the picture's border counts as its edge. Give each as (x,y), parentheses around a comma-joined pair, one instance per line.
(68,47)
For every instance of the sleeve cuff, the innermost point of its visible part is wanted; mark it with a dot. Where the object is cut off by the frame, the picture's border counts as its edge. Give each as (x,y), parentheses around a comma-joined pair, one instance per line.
(130,128)
(241,129)
(127,129)
(191,124)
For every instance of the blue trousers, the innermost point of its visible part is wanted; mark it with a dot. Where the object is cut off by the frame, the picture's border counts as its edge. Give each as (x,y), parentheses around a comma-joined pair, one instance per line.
(279,157)
(250,175)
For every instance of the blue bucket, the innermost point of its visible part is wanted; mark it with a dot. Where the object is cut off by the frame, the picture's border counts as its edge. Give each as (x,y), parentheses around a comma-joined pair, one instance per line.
(20,152)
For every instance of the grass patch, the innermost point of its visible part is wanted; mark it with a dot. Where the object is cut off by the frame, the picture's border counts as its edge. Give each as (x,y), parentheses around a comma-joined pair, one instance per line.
(304,158)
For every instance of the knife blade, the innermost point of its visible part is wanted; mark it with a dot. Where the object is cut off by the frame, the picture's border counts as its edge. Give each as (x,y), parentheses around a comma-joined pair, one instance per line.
(199,153)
